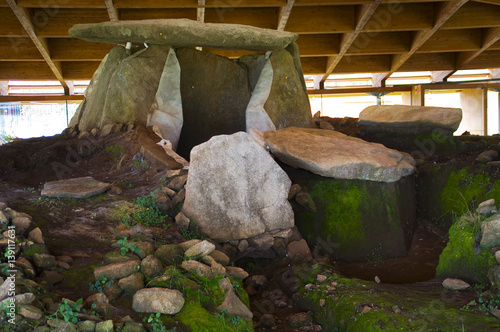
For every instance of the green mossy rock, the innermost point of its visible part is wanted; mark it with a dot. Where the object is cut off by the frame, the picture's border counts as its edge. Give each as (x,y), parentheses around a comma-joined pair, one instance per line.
(444,192)
(356,220)
(463,258)
(393,307)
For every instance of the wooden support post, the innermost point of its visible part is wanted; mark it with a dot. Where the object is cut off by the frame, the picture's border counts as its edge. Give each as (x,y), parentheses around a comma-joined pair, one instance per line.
(418,96)
(317,82)
(472,103)
(485,111)
(4,88)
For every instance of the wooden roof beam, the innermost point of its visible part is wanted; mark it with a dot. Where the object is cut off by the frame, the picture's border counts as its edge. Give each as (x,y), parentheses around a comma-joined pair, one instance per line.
(285,14)
(490,37)
(446,11)
(40,43)
(348,38)
(112,11)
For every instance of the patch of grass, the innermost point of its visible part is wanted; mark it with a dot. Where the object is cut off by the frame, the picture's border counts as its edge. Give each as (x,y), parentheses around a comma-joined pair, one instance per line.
(190,234)
(124,184)
(115,151)
(484,304)
(144,212)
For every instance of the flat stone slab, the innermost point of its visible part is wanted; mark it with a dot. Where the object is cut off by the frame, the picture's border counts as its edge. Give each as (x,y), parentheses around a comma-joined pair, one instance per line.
(184,33)
(332,154)
(413,118)
(75,188)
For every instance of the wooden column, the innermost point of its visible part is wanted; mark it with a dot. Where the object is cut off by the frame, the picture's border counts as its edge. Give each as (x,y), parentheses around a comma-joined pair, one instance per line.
(418,96)
(4,88)
(473,108)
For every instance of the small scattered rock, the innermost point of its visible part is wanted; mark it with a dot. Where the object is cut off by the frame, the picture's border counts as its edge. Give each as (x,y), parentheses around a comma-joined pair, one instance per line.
(22,224)
(199,250)
(377,280)
(455,284)
(106,326)
(234,306)
(486,207)
(236,272)
(98,298)
(487,156)
(86,326)
(299,248)
(36,236)
(268,320)
(63,265)
(151,267)
(170,254)
(305,200)
(44,260)
(262,242)
(243,245)
(178,182)
(322,302)
(132,283)
(197,268)
(294,190)
(188,244)
(107,130)
(257,281)
(154,300)
(497,256)
(114,257)
(366,309)
(220,257)
(65,259)
(495,312)
(299,319)
(117,270)
(30,312)
(321,278)
(145,249)
(182,221)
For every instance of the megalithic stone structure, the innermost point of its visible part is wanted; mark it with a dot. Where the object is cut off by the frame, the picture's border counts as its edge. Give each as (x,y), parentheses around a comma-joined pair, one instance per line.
(193,95)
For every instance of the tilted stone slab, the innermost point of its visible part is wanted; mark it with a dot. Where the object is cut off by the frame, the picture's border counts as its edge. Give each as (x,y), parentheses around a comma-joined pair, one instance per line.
(333,154)
(411,118)
(75,188)
(184,33)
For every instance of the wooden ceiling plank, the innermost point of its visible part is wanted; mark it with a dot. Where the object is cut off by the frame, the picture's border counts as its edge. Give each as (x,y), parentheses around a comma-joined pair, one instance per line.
(377,79)
(61,4)
(40,43)
(148,13)
(440,75)
(490,37)
(284,15)
(112,11)
(324,19)
(474,15)
(454,40)
(380,43)
(365,14)
(318,45)
(446,11)
(70,49)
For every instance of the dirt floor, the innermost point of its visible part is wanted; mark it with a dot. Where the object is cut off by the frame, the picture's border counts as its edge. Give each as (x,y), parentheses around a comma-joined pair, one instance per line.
(83,230)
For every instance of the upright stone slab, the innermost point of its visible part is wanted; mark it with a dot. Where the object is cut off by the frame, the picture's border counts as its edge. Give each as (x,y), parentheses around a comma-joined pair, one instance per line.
(166,110)
(235,190)
(355,220)
(133,86)
(215,92)
(89,112)
(288,103)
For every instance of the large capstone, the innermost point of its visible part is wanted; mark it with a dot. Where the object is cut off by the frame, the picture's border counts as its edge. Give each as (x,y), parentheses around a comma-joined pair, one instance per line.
(236,190)
(402,118)
(335,155)
(184,33)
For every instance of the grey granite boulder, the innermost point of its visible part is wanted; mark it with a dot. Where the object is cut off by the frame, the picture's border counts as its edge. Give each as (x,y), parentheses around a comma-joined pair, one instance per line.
(75,188)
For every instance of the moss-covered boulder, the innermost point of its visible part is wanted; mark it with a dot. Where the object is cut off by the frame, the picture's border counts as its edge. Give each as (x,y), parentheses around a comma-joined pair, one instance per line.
(356,220)
(463,258)
(447,191)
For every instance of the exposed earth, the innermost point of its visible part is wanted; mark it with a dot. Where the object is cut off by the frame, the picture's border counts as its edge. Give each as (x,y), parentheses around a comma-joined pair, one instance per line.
(87,229)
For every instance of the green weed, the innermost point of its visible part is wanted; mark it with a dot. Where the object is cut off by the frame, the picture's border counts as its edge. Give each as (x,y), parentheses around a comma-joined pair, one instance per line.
(128,247)
(115,151)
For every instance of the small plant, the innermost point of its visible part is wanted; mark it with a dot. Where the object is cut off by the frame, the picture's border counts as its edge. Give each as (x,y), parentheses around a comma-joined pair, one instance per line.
(236,286)
(483,304)
(31,190)
(194,233)
(155,322)
(124,184)
(138,162)
(126,247)
(69,311)
(115,151)
(100,284)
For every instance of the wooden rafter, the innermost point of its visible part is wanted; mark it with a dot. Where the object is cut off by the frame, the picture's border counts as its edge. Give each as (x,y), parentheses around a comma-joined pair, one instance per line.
(40,43)
(285,14)
(112,11)
(348,39)
(446,11)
